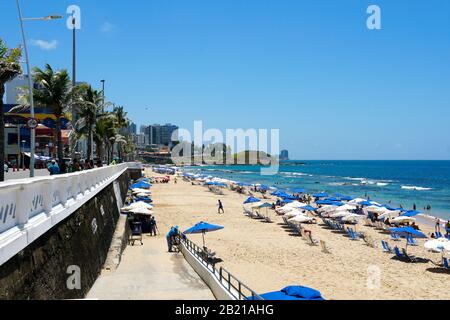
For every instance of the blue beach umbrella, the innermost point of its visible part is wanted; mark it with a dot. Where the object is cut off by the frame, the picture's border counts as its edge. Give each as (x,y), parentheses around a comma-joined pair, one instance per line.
(298,190)
(141,185)
(408,232)
(203,228)
(411,213)
(264,187)
(333,199)
(308,208)
(343,197)
(320,195)
(252,200)
(366,203)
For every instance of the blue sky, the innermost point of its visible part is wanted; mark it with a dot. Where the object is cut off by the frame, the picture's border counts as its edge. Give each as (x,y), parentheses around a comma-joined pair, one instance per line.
(312,69)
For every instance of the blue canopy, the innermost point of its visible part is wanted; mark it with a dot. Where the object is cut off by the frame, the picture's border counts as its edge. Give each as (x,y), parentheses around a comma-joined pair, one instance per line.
(408,231)
(298,190)
(292,293)
(252,200)
(320,195)
(308,208)
(141,185)
(203,227)
(411,213)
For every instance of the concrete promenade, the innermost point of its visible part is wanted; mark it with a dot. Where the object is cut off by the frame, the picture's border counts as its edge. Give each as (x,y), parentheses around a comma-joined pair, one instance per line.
(149,272)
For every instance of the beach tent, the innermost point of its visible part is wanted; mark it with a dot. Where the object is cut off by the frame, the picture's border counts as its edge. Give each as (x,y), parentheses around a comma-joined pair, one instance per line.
(203,228)
(292,293)
(252,200)
(408,232)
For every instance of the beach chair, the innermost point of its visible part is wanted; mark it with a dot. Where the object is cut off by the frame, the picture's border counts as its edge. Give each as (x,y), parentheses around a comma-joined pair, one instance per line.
(398,254)
(386,247)
(409,257)
(395,237)
(445,263)
(353,236)
(411,241)
(324,247)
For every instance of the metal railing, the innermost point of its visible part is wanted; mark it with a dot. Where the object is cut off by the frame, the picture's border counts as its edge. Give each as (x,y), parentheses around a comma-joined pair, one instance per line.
(233,285)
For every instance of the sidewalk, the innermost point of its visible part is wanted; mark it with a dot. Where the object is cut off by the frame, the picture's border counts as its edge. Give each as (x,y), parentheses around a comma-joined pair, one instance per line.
(149,272)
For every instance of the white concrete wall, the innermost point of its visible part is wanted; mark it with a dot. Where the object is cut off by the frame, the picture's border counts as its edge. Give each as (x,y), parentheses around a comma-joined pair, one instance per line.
(31,207)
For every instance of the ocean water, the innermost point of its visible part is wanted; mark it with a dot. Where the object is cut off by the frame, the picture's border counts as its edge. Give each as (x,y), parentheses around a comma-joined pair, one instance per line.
(396,182)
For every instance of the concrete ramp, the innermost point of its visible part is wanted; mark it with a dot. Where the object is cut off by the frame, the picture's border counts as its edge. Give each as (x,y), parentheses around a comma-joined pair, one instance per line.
(149,272)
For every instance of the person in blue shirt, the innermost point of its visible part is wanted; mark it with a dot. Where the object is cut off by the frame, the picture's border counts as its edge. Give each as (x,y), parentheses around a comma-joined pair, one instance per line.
(53,168)
(173,232)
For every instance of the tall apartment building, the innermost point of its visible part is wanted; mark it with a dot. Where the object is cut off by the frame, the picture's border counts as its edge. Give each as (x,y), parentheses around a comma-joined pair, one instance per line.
(161,135)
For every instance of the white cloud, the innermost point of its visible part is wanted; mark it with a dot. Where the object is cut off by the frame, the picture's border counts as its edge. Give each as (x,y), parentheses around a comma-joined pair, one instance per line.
(45,45)
(107,27)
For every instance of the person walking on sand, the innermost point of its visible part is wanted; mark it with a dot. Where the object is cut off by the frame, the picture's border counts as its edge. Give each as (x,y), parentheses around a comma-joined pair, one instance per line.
(221,207)
(437,227)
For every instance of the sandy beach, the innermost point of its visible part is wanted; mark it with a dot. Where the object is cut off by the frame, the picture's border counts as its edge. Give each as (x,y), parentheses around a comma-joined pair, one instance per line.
(268,257)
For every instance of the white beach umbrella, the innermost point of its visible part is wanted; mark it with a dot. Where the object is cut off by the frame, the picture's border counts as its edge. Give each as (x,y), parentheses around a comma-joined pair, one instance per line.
(357,200)
(376,209)
(137,205)
(340,214)
(327,208)
(139,190)
(438,245)
(353,218)
(294,213)
(390,214)
(142,211)
(345,207)
(301,219)
(404,219)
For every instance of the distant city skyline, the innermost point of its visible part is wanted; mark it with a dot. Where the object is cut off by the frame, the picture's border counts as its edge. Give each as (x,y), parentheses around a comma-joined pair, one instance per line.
(334,88)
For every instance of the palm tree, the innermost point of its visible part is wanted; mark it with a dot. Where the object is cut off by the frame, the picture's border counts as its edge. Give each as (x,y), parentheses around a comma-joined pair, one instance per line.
(9,69)
(121,122)
(54,91)
(89,103)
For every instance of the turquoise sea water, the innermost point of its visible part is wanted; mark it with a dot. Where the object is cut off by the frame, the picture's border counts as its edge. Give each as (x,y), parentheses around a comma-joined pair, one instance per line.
(396,182)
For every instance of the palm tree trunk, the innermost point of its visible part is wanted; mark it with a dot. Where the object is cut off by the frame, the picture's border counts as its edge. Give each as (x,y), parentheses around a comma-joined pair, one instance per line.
(59,139)
(2,135)
(89,145)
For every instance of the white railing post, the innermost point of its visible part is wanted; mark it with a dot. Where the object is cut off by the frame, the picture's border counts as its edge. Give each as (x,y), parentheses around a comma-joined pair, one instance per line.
(48,187)
(23,207)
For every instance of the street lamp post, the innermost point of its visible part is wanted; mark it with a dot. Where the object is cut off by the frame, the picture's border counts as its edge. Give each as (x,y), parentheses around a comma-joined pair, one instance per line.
(103,95)
(30,83)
